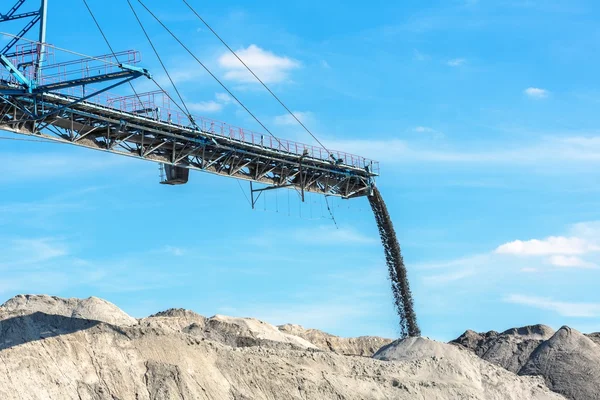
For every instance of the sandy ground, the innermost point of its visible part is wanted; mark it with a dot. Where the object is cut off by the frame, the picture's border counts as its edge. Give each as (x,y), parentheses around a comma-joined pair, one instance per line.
(53,348)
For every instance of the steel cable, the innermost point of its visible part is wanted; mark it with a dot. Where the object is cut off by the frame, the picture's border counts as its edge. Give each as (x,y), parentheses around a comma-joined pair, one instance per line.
(187,111)
(256,76)
(28,140)
(110,47)
(209,72)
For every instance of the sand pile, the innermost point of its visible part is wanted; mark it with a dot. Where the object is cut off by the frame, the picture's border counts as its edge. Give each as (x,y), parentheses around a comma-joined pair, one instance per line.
(178,354)
(91,308)
(360,346)
(235,332)
(510,349)
(458,371)
(568,360)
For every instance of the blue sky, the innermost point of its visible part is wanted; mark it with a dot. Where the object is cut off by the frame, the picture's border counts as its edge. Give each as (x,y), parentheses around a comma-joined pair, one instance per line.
(482,113)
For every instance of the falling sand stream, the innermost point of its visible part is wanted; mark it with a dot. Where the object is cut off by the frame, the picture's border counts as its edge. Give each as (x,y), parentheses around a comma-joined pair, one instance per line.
(398,277)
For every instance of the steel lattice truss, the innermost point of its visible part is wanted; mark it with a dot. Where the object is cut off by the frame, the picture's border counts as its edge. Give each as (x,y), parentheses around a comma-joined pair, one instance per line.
(62,118)
(62,102)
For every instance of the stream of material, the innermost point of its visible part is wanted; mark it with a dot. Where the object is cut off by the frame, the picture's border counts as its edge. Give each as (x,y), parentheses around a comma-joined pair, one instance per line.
(400,288)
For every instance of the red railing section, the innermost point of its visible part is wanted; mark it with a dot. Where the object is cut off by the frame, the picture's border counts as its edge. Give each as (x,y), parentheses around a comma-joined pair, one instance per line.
(157,105)
(86,67)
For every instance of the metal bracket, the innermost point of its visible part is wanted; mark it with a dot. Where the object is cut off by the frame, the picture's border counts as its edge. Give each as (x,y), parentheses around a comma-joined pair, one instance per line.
(65,107)
(141,71)
(14,71)
(260,191)
(130,74)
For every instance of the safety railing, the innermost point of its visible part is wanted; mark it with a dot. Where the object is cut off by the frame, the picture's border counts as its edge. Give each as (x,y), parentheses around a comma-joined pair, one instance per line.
(150,104)
(26,54)
(157,105)
(90,66)
(268,141)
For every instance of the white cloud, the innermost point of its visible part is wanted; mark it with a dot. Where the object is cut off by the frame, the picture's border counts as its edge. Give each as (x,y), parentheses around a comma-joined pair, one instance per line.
(453,271)
(548,151)
(565,309)
(423,129)
(287,119)
(269,67)
(50,265)
(589,230)
(205,107)
(223,98)
(211,106)
(468,262)
(457,62)
(553,245)
(570,262)
(176,251)
(184,72)
(532,264)
(536,93)
(531,256)
(37,250)
(429,132)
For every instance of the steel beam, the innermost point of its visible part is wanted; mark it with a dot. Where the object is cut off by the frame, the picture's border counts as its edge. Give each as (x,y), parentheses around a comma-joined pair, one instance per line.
(102,128)
(6,18)
(86,81)
(14,9)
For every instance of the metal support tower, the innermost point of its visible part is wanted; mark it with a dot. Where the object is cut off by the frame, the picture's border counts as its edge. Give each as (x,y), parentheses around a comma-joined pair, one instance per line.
(38,16)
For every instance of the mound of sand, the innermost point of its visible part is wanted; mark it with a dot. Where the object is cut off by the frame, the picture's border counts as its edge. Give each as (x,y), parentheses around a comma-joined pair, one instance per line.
(360,346)
(595,337)
(91,308)
(510,349)
(235,332)
(459,372)
(567,360)
(176,319)
(244,332)
(58,356)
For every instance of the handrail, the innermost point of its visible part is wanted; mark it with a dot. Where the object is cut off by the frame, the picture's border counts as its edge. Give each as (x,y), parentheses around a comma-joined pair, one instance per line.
(156,105)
